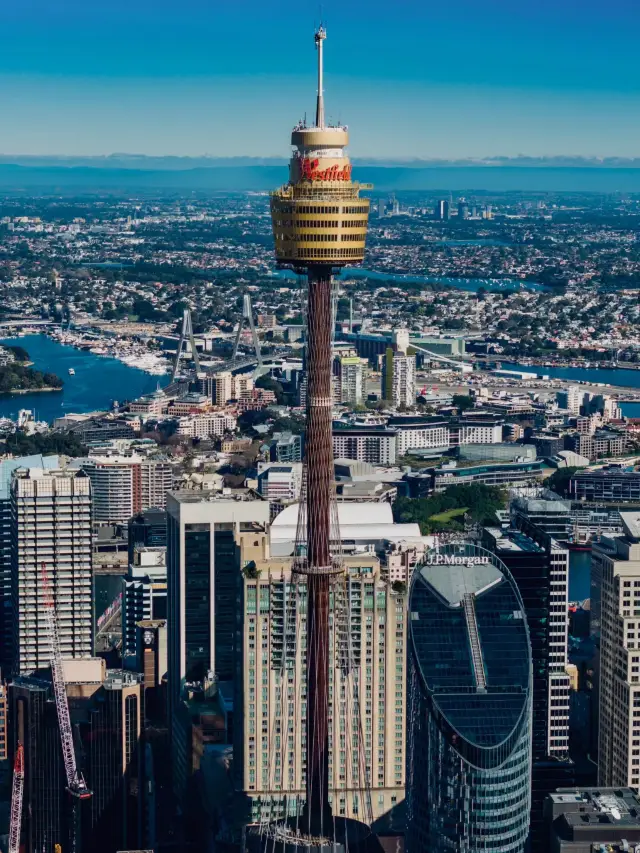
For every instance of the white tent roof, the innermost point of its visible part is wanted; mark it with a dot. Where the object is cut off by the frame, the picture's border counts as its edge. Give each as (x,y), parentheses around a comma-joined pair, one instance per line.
(365,513)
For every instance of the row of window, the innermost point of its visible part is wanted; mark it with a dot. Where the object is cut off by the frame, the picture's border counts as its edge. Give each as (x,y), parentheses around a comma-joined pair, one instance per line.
(322,237)
(319,223)
(329,253)
(306,208)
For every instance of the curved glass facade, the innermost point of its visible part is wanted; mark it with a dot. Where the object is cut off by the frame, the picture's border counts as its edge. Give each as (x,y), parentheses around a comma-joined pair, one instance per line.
(469,726)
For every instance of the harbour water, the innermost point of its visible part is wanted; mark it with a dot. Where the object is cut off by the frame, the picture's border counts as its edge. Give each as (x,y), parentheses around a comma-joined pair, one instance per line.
(472,285)
(620,377)
(97,382)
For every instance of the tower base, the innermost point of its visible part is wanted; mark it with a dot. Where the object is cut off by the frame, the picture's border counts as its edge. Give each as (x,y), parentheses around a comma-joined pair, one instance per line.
(348,836)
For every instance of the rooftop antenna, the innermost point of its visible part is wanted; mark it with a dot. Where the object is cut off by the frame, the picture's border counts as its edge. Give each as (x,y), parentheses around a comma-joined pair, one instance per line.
(320,36)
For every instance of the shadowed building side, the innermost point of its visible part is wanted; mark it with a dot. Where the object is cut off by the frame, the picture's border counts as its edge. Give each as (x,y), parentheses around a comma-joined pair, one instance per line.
(469,724)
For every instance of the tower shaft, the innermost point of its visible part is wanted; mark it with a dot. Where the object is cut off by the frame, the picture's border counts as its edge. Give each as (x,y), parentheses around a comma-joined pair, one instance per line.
(319,470)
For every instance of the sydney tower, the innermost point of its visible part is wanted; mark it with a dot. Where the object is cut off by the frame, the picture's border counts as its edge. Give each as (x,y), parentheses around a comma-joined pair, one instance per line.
(319,226)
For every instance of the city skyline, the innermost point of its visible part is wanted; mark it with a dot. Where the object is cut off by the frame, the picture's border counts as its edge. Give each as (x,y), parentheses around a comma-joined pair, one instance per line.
(143,80)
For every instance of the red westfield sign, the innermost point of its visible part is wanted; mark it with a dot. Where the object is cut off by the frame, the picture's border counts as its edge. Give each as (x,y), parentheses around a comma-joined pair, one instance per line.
(310,172)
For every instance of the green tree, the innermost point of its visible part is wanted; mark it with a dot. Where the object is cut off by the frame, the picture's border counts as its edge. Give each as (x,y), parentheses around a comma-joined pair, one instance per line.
(462,402)
(559,481)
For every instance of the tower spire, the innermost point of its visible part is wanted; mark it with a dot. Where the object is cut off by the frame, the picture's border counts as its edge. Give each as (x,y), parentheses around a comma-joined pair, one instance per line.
(320,36)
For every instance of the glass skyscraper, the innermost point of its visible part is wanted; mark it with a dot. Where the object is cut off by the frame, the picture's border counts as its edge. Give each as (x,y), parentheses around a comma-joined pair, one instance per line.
(470,705)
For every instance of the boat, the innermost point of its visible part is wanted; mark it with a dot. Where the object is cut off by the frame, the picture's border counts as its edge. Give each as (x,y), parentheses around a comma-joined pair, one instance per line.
(72,372)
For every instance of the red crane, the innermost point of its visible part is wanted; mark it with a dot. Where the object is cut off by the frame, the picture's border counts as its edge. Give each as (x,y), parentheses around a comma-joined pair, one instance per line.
(76,785)
(16,801)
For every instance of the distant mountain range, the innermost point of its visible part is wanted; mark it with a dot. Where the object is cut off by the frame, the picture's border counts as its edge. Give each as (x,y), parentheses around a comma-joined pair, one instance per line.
(176,163)
(131,172)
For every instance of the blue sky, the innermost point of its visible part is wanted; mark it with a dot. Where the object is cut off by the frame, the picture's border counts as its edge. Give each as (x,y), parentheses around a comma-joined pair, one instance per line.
(470,78)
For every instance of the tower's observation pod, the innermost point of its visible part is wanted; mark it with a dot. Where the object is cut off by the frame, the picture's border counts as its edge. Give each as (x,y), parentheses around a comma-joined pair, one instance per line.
(318,216)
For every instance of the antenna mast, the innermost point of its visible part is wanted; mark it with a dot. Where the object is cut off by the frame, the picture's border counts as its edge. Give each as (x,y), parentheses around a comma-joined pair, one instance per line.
(320,36)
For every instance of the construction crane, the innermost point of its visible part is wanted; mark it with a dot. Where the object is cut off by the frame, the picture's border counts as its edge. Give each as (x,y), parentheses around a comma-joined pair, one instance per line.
(16,801)
(76,785)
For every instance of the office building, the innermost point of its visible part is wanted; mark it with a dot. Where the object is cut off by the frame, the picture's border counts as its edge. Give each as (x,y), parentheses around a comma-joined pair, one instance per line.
(441,211)
(570,399)
(50,524)
(7,468)
(610,484)
(491,474)
(549,513)
(144,593)
(348,379)
(377,446)
(399,378)
(147,529)
(34,724)
(470,706)
(270,737)
(617,562)
(203,565)
(112,717)
(125,485)
(463,209)
(540,568)
(592,820)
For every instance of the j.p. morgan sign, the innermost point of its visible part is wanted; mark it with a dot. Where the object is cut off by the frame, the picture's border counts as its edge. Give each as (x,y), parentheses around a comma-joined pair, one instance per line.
(456,560)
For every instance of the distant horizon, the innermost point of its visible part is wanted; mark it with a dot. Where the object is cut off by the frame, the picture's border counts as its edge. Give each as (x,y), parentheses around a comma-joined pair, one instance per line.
(523,160)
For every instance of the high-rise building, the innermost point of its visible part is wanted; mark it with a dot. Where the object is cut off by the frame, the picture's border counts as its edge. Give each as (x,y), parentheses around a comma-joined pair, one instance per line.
(126,485)
(399,374)
(34,724)
(347,379)
(463,209)
(441,211)
(7,467)
(540,568)
(470,705)
(51,525)
(272,700)
(112,720)
(203,567)
(144,593)
(616,565)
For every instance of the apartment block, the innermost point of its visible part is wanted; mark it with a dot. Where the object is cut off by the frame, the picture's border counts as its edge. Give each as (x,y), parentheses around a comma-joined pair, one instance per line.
(376,446)
(126,485)
(50,525)
(367,660)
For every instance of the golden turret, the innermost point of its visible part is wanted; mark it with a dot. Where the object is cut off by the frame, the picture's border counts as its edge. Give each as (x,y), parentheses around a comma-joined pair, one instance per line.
(319,217)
